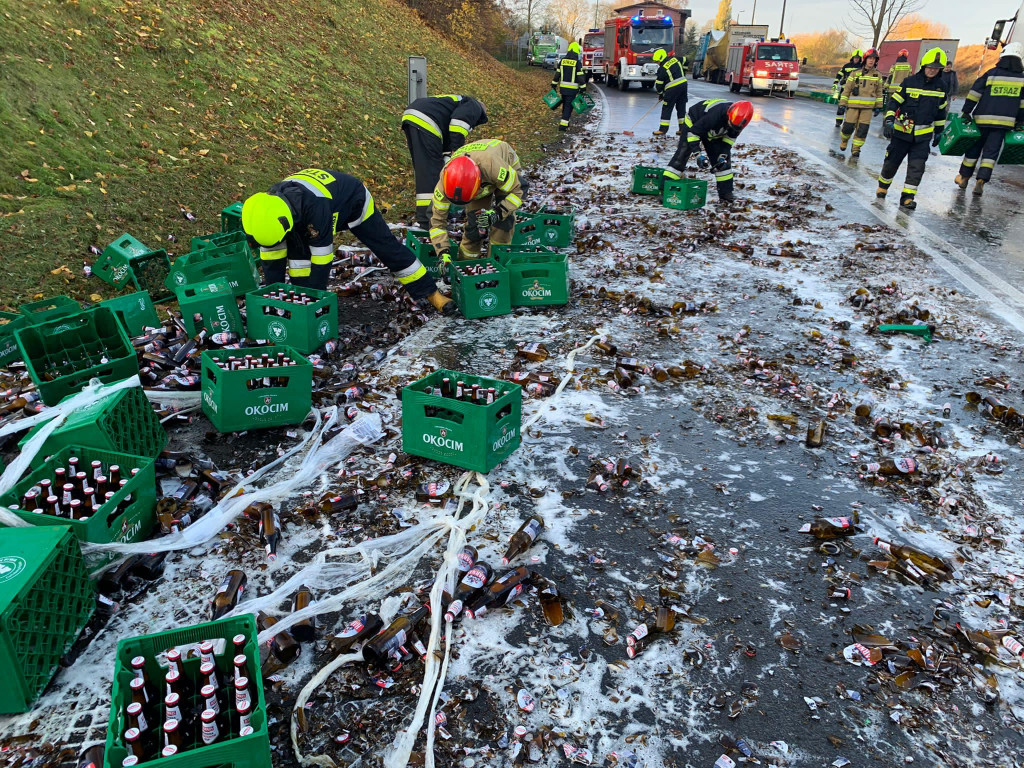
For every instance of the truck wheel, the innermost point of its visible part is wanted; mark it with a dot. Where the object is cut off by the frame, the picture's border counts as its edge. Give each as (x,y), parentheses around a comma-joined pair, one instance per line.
(623,83)
(734,87)
(646,86)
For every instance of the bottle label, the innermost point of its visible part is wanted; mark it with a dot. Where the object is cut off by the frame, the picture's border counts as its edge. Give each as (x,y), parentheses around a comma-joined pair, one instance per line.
(640,632)
(210,732)
(885,546)
(213,704)
(353,629)
(515,592)
(476,578)
(224,585)
(174,713)
(532,529)
(1013,645)
(141,720)
(454,608)
(244,721)
(905,465)
(531,347)
(242,698)
(839,522)
(465,560)
(873,467)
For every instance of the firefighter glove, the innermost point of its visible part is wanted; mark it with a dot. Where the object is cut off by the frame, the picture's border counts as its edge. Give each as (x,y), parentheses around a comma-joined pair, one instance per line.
(702,161)
(876,111)
(968,118)
(487,219)
(841,111)
(887,128)
(721,163)
(446,259)
(936,138)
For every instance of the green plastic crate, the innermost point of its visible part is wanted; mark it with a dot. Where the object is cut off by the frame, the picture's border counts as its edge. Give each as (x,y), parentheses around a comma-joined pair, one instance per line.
(232,407)
(502,252)
(252,751)
(213,303)
(208,264)
(958,136)
(583,103)
(303,327)
(123,421)
(467,435)
(552,98)
(46,598)
(133,524)
(647,180)
(472,298)
(12,321)
(128,262)
(48,309)
(552,227)
(1013,149)
(135,311)
(62,355)
(225,242)
(418,241)
(685,194)
(231,218)
(538,279)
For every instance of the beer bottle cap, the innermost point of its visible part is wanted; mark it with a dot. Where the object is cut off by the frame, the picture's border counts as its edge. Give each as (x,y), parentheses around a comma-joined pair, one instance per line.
(169,751)
(170,726)
(138,662)
(171,700)
(241,682)
(134,708)
(132,734)
(247,731)
(130,760)
(137,682)
(206,668)
(208,716)
(240,660)
(206,646)
(244,707)
(207,691)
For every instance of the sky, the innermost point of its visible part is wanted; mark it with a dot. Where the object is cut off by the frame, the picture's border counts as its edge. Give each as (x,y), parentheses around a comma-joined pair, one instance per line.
(816,15)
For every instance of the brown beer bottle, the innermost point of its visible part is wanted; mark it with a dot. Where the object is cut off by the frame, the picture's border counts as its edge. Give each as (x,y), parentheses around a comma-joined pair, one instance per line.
(523,539)
(831,527)
(536,352)
(900,466)
(923,560)
(501,592)
(386,645)
(283,646)
(357,631)
(305,630)
(816,434)
(270,531)
(664,621)
(228,592)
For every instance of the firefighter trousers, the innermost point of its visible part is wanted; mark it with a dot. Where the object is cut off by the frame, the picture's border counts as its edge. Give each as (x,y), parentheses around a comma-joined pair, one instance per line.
(427,152)
(916,155)
(857,123)
(987,148)
(473,238)
(568,94)
(673,98)
(719,152)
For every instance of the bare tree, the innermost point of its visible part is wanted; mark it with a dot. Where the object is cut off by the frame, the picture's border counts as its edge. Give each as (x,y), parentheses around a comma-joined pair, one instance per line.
(876,18)
(572,17)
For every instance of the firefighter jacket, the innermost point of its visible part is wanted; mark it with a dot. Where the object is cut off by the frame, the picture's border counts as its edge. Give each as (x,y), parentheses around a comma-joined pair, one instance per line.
(569,74)
(843,73)
(449,118)
(322,203)
(899,72)
(918,107)
(670,76)
(709,120)
(863,90)
(996,99)
(499,176)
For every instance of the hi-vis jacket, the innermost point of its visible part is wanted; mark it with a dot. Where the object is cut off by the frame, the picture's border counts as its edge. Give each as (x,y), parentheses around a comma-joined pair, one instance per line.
(918,106)
(843,73)
(499,176)
(670,75)
(709,120)
(450,118)
(863,90)
(899,72)
(569,74)
(996,99)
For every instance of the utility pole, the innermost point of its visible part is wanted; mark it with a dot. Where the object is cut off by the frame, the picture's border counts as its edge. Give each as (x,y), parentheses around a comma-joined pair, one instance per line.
(753,12)
(782,24)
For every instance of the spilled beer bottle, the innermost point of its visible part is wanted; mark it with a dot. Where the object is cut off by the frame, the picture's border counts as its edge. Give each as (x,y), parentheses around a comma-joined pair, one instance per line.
(388,643)
(228,592)
(499,593)
(305,630)
(472,585)
(831,527)
(523,539)
(356,632)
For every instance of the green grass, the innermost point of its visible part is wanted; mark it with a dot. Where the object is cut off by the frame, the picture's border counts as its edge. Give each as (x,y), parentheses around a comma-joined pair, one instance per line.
(115,115)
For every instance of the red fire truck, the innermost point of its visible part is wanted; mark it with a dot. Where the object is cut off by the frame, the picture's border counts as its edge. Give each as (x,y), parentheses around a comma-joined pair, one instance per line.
(629,44)
(593,54)
(763,66)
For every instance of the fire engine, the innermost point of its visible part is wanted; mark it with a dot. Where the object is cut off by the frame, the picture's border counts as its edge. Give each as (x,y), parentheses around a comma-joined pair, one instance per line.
(763,66)
(593,54)
(629,44)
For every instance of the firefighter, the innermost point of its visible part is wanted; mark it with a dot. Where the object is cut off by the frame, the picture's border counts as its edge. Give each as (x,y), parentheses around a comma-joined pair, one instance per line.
(862,97)
(715,123)
(671,86)
(856,59)
(996,105)
(571,80)
(485,177)
(899,72)
(434,127)
(914,118)
(296,219)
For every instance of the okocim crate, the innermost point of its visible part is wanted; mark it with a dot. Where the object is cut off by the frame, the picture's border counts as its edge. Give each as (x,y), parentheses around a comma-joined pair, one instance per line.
(304,327)
(128,516)
(485,295)
(49,309)
(418,241)
(63,354)
(231,218)
(237,400)
(9,323)
(123,421)
(207,264)
(647,181)
(685,194)
(552,227)
(210,305)
(233,750)
(135,311)
(46,597)
(502,252)
(538,279)
(1013,149)
(958,136)
(474,436)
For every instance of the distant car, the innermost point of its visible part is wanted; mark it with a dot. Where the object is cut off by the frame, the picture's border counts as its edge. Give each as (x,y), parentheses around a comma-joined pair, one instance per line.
(551,60)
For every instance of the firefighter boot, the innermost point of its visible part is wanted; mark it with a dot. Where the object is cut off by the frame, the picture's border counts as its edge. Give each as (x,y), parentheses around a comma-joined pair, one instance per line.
(908,203)
(442,303)
(660,132)
(962,181)
(979,187)
(843,142)
(881,192)
(855,152)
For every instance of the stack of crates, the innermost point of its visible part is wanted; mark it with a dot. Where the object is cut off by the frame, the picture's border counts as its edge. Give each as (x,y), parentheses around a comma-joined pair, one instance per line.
(46,597)
(418,241)
(486,295)
(473,435)
(550,227)
(127,262)
(9,323)
(251,750)
(236,400)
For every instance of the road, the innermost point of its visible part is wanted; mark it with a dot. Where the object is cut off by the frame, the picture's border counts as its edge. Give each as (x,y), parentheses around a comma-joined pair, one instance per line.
(979,240)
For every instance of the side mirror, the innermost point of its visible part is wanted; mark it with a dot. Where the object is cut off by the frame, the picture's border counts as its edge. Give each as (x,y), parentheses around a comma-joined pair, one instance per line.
(803,61)
(997,30)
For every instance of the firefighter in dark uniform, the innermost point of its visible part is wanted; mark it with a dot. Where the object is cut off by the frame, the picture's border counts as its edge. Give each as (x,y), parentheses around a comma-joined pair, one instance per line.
(715,123)
(671,86)
(855,63)
(296,219)
(899,72)
(571,80)
(435,127)
(996,105)
(914,119)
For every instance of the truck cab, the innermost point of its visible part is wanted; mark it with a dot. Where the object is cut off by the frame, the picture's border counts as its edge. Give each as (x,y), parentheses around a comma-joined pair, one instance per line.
(764,66)
(629,45)
(593,54)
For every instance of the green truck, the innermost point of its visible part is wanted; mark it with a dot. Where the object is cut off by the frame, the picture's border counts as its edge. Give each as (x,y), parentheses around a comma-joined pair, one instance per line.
(541,44)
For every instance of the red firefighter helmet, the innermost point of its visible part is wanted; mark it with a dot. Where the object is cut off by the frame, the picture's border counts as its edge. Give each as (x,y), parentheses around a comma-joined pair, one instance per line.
(904,52)
(870,52)
(460,180)
(740,114)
